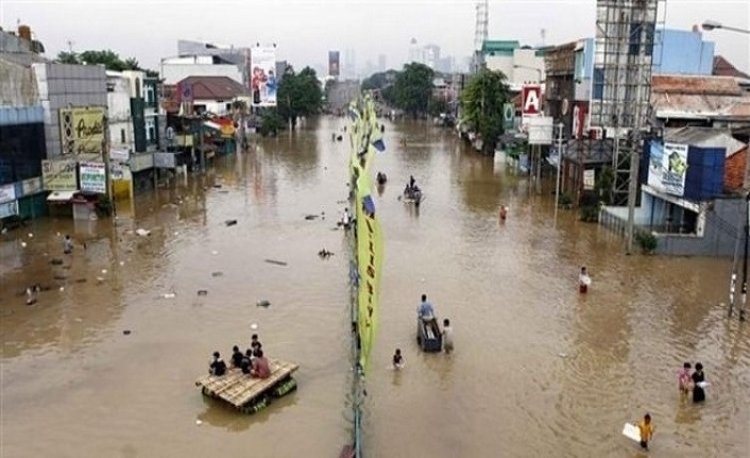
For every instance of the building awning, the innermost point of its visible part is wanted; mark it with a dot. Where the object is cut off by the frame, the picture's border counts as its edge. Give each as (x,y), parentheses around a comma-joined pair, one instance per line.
(61,196)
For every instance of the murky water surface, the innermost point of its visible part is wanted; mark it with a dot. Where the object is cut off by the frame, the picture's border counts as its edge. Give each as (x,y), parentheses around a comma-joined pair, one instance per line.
(539,370)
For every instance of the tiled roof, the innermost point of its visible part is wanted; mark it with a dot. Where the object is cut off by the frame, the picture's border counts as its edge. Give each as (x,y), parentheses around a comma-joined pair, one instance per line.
(213,87)
(723,67)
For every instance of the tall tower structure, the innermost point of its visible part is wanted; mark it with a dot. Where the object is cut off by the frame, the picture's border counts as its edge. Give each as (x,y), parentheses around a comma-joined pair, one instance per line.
(620,102)
(480,33)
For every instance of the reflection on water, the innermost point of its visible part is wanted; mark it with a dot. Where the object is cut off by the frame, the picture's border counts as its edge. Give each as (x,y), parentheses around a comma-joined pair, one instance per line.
(539,370)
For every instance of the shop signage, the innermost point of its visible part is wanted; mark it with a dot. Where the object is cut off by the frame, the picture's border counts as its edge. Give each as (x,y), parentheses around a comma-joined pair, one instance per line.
(93,177)
(164,160)
(7,193)
(589,179)
(31,186)
(59,175)
(667,167)
(531,97)
(82,130)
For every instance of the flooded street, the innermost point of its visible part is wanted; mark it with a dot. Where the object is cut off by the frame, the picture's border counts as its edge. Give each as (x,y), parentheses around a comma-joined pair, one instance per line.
(539,370)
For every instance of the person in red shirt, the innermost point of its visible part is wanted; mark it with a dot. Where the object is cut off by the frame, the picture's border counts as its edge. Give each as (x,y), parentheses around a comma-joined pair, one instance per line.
(261,368)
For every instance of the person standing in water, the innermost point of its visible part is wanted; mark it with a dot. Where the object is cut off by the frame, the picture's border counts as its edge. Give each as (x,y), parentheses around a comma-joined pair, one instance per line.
(683,379)
(398,360)
(447,336)
(583,281)
(503,213)
(699,379)
(67,245)
(647,431)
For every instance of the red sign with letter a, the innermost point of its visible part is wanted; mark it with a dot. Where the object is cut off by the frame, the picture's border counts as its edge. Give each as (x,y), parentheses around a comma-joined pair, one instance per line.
(531,98)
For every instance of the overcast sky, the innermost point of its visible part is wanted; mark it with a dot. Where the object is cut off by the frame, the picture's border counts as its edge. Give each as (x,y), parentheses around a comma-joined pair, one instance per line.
(305,30)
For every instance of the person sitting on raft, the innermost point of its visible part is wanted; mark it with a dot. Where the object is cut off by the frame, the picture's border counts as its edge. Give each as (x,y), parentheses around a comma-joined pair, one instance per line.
(217,367)
(261,368)
(236,357)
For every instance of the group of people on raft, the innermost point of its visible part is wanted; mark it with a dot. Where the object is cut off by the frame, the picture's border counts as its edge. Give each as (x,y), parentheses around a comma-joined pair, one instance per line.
(252,362)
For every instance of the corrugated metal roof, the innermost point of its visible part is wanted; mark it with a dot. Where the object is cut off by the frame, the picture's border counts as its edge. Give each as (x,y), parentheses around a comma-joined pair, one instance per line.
(707,137)
(705,85)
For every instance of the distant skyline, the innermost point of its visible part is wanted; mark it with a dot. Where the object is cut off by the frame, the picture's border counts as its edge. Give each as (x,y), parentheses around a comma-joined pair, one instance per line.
(305,30)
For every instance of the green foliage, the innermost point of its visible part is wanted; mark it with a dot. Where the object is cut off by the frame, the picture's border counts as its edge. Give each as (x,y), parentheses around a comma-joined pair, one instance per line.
(412,90)
(647,242)
(64,57)
(299,94)
(482,106)
(104,206)
(565,201)
(110,59)
(590,213)
(270,123)
(603,186)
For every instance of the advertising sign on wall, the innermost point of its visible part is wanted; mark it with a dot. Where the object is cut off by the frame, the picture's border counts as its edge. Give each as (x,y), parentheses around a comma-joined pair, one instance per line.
(93,177)
(333,63)
(7,193)
(59,175)
(263,78)
(540,130)
(531,100)
(164,160)
(31,186)
(82,130)
(580,119)
(667,167)
(509,116)
(8,209)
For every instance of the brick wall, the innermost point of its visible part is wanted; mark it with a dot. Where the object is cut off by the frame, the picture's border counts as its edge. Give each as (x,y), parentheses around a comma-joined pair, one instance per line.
(734,170)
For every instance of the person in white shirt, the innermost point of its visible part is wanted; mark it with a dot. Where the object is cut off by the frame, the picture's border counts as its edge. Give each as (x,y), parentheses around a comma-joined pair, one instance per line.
(447,336)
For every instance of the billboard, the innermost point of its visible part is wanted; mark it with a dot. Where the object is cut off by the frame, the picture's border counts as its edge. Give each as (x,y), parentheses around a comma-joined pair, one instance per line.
(333,63)
(93,177)
(540,130)
(82,131)
(531,100)
(667,167)
(580,119)
(263,78)
(59,175)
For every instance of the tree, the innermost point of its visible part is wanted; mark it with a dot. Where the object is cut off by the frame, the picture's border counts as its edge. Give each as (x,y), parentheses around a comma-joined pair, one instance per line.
(131,63)
(482,104)
(110,59)
(299,94)
(64,57)
(412,90)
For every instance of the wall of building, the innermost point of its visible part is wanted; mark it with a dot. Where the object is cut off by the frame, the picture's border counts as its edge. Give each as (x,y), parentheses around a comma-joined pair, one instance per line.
(682,52)
(213,106)
(17,85)
(63,85)
(174,73)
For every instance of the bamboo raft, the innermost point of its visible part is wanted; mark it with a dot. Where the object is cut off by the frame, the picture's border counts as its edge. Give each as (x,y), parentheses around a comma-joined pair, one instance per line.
(249,394)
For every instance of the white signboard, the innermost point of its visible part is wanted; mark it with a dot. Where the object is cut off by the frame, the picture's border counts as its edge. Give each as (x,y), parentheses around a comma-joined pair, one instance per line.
(540,130)
(32,186)
(119,155)
(7,193)
(589,179)
(667,167)
(8,209)
(263,80)
(93,177)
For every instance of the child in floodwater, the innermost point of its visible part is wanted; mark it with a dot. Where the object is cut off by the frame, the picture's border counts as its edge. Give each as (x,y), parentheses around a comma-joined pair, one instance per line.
(398,360)
(684,379)
(583,281)
(647,431)
(503,213)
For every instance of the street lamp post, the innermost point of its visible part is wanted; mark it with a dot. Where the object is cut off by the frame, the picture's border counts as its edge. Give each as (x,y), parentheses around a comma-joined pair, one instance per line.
(709,25)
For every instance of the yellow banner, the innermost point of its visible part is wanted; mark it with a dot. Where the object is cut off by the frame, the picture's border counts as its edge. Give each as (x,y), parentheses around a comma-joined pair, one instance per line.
(82,130)
(369,233)
(370,260)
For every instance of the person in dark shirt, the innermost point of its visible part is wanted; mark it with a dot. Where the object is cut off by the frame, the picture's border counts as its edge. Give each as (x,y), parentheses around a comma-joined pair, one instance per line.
(699,379)
(255,343)
(217,367)
(247,362)
(398,360)
(236,356)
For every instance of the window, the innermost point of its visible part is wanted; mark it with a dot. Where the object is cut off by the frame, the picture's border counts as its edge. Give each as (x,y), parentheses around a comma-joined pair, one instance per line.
(137,87)
(152,134)
(229,107)
(122,136)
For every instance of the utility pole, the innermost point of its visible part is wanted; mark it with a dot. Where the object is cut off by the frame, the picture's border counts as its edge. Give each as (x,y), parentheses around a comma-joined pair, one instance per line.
(744,261)
(635,159)
(559,167)
(107,175)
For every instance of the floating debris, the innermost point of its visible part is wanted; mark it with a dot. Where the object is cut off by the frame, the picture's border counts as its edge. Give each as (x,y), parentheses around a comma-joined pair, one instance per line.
(23,244)
(62,288)
(122,263)
(126,332)
(100,279)
(217,274)
(263,303)
(214,252)
(104,271)
(81,280)
(273,261)
(169,295)
(31,235)
(56,262)
(325,254)
(142,232)
(254,326)
(230,222)
(59,277)
(311,217)
(203,292)
(217,186)
(198,422)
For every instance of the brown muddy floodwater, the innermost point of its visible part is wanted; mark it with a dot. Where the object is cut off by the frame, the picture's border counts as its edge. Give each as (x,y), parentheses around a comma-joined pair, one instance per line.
(539,370)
